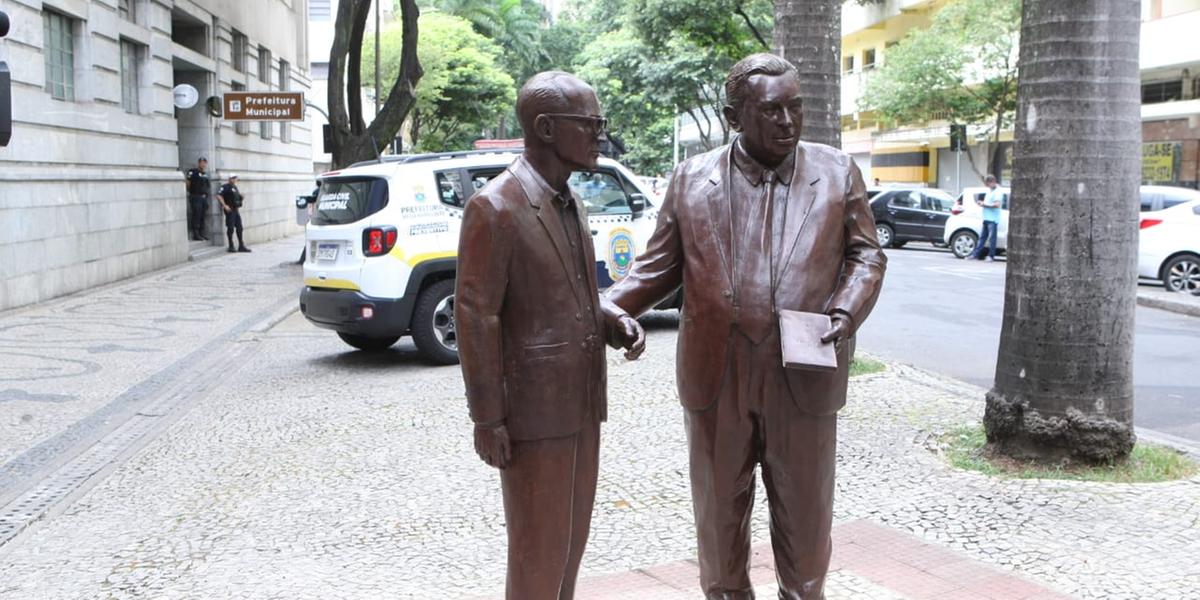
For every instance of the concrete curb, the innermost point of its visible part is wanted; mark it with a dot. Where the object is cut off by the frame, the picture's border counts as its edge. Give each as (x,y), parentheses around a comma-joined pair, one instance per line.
(1183,306)
(1175,442)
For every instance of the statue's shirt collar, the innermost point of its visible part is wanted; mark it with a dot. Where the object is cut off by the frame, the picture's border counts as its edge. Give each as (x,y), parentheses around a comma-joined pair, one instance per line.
(754,170)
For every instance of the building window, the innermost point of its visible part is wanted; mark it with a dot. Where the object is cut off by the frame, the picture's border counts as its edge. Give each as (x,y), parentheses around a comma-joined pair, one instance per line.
(264,129)
(1162,91)
(127,10)
(58,51)
(129,77)
(285,72)
(285,76)
(848,64)
(868,59)
(318,10)
(264,65)
(240,47)
(241,127)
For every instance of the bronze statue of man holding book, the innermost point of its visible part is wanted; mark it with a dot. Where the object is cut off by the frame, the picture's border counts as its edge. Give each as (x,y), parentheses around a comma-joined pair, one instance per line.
(764,227)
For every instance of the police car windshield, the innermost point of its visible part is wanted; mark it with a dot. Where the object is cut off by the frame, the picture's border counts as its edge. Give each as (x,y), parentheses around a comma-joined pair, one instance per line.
(346,200)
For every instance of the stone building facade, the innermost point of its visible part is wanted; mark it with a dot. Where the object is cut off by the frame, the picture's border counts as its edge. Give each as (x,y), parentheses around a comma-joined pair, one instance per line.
(91,185)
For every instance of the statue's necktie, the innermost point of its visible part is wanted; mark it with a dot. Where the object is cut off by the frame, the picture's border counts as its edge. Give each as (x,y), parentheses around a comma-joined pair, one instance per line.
(757,311)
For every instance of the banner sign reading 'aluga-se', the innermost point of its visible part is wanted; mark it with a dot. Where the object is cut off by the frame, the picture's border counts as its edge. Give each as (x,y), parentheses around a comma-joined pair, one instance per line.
(264,106)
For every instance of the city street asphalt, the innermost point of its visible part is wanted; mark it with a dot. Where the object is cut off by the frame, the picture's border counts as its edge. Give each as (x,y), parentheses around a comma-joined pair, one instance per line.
(943,314)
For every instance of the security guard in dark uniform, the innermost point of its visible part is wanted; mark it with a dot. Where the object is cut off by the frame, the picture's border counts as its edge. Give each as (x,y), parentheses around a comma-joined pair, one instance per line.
(198,188)
(231,203)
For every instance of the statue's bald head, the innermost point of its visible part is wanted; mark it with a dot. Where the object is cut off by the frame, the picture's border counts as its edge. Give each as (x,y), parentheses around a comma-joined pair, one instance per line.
(548,92)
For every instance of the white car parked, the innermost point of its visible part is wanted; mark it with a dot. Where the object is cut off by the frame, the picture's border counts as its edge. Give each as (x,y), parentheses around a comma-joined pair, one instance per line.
(966,222)
(1169,237)
(382,243)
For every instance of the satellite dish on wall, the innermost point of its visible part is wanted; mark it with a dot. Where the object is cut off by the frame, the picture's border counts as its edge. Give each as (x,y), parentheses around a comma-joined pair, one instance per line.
(214,106)
(185,96)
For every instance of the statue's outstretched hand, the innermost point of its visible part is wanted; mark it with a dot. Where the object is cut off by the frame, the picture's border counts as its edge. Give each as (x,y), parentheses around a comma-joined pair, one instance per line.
(631,336)
(492,445)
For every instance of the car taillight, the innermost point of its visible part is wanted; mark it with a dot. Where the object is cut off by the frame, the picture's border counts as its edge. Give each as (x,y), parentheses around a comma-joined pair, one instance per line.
(378,241)
(1149,223)
(956,210)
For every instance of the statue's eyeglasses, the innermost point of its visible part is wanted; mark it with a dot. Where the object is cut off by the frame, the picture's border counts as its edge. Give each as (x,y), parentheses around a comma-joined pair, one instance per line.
(599,124)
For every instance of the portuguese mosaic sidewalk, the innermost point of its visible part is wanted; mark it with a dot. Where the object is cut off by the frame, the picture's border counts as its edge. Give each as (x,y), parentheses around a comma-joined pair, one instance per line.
(307,471)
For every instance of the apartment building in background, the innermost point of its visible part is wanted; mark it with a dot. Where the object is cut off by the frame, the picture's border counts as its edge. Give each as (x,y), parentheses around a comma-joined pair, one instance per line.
(919,153)
(91,185)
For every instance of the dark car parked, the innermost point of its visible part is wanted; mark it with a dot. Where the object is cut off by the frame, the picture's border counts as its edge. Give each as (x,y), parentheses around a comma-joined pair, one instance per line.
(911,215)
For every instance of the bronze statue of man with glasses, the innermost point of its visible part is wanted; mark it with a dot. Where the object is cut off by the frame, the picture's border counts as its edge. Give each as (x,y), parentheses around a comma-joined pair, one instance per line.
(532,336)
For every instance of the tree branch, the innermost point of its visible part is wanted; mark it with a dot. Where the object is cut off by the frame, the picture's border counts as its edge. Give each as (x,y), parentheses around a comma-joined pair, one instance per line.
(403,93)
(741,12)
(335,96)
(361,9)
(703,134)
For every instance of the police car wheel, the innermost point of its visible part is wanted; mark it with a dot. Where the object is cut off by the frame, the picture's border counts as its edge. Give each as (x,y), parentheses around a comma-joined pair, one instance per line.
(433,327)
(368,344)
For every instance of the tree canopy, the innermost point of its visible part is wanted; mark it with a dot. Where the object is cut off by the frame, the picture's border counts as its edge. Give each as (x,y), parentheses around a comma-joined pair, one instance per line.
(647,61)
(963,68)
(464,90)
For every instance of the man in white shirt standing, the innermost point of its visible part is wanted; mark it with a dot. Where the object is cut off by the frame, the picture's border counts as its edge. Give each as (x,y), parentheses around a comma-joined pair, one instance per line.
(991,219)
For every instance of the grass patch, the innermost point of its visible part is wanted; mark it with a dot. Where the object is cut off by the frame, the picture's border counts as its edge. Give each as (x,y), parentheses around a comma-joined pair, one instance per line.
(863,366)
(965,448)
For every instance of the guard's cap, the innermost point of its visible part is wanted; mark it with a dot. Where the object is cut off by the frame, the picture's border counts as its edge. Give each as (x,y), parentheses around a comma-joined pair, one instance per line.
(232,176)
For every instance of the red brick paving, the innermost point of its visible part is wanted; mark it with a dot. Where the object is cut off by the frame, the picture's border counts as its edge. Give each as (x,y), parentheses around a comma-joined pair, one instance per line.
(893,560)
(896,561)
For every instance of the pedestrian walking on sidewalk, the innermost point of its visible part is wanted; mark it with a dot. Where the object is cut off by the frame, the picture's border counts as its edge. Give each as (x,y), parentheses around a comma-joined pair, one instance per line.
(991,219)
(231,203)
(199,186)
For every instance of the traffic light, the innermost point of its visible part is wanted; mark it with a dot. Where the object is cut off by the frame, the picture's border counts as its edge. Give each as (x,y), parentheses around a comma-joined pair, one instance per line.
(5,90)
(958,138)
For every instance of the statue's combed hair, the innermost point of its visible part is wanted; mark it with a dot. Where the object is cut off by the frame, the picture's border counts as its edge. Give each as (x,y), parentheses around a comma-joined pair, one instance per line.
(755,64)
(542,94)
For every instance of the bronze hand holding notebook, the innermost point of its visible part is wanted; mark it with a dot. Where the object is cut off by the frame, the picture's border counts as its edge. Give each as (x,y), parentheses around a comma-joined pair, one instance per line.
(800,334)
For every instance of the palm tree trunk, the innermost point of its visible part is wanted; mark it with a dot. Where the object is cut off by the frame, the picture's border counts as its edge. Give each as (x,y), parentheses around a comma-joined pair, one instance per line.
(809,34)
(1064,374)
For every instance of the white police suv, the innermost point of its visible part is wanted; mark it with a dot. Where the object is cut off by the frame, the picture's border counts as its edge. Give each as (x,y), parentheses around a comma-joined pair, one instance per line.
(383,238)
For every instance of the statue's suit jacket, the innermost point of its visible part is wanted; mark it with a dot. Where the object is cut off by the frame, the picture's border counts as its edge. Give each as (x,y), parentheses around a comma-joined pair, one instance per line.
(530,336)
(830,261)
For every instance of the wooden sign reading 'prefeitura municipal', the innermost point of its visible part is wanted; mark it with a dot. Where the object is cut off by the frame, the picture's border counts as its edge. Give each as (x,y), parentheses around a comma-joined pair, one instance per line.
(264,106)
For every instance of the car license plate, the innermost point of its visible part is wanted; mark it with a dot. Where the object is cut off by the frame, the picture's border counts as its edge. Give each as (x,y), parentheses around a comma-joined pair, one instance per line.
(327,251)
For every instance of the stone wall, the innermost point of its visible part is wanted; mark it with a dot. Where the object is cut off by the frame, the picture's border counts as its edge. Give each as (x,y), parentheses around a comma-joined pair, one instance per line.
(91,193)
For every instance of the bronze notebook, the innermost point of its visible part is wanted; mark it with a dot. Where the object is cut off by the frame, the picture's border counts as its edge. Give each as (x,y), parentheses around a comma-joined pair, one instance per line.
(800,333)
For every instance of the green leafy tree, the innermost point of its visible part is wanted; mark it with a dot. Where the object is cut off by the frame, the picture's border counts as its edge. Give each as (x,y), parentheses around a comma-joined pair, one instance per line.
(464,89)
(515,25)
(613,64)
(732,28)
(963,68)
(662,57)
